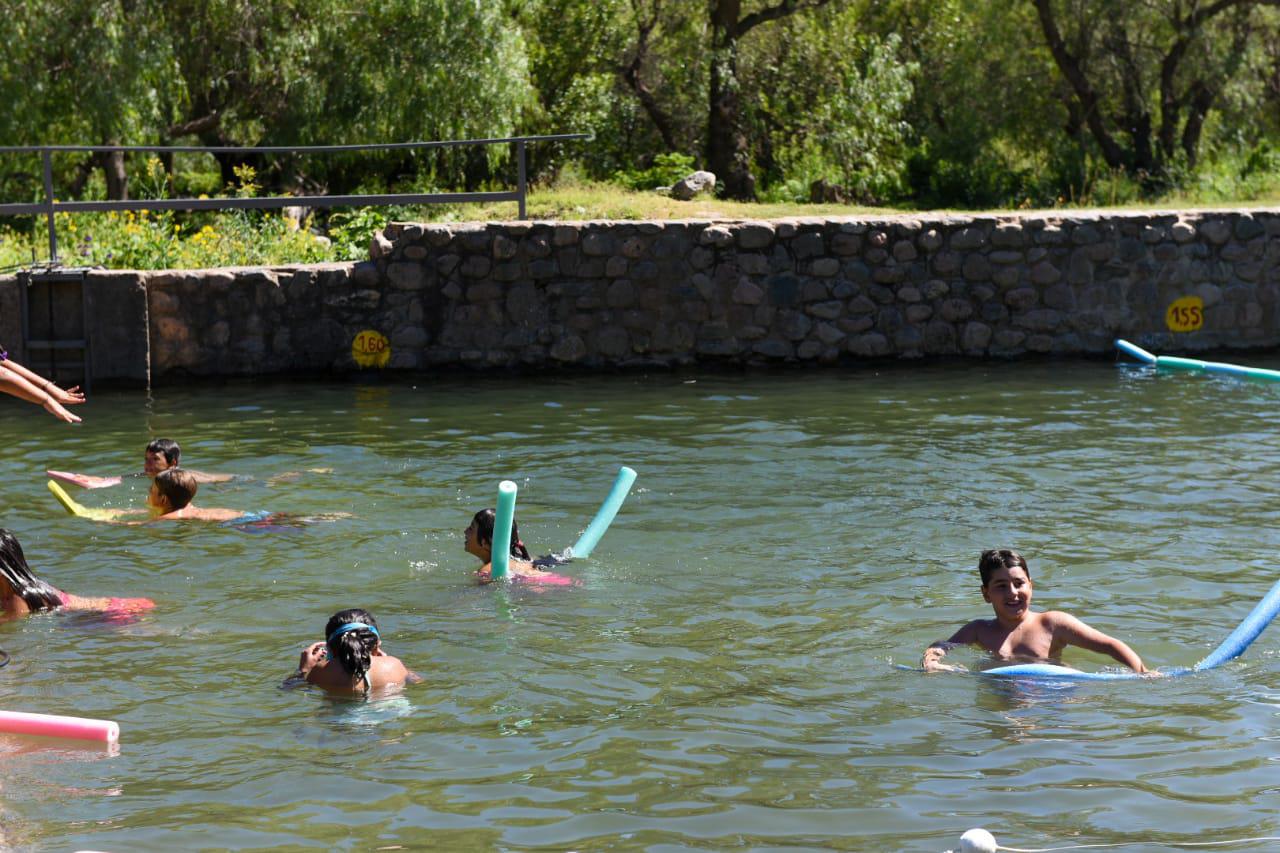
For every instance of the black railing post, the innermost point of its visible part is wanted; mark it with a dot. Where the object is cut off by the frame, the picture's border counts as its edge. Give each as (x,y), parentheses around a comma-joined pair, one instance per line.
(47,156)
(520,180)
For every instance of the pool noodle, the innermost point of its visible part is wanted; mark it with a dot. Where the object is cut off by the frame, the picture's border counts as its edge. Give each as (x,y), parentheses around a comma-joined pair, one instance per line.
(1245,633)
(76,509)
(51,725)
(1232,647)
(604,516)
(1137,352)
(1176,363)
(504,515)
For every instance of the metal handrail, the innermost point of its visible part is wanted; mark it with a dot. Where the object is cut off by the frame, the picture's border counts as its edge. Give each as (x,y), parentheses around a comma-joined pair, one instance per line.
(51,206)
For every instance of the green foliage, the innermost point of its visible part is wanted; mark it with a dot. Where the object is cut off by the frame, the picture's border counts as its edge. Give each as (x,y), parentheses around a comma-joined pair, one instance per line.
(352,230)
(921,103)
(665,171)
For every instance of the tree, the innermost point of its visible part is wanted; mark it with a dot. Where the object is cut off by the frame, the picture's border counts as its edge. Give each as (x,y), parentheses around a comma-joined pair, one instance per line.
(1144,77)
(728,149)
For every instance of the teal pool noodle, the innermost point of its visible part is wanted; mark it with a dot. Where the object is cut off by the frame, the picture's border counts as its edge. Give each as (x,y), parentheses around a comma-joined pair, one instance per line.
(1175,363)
(1171,362)
(1137,352)
(604,516)
(504,515)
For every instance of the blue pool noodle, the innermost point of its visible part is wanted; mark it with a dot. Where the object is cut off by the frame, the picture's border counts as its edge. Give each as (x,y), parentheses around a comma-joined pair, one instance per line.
(604,516)
(1137,352)
(1175,363)
(504,515)
(1248,630)
(1232,647)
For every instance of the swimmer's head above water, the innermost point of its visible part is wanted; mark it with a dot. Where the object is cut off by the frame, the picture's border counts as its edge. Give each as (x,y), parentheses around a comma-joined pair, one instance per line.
(994,559)
(352,638)
(16,577)
(479,537)
(172,490)
(161,455)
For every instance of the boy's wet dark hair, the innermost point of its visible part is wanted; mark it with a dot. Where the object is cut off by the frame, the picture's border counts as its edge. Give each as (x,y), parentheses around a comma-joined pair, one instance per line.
(1000,558)
(13,566)
(484,533)
(177,485)
(352,648)
(168,447)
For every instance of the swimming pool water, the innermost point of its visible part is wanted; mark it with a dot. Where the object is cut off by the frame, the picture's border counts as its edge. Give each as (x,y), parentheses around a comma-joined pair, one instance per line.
(723,676)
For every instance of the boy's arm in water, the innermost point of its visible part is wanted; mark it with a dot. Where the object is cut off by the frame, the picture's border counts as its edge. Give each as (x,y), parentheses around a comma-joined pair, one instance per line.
(1070,631)
(85,481)
(206,477)
(932,660)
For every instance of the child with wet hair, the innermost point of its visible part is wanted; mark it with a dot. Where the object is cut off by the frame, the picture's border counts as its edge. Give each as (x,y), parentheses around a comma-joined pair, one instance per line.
(160,454)
(1017,632)
(171,496)
(478,538)
(21,592)
(351,659)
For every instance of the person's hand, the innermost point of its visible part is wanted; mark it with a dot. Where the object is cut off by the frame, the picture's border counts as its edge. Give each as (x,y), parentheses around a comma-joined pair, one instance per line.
(69,397)
(311,655)
(54,408)
(932,661)
(938,666)
(484,576)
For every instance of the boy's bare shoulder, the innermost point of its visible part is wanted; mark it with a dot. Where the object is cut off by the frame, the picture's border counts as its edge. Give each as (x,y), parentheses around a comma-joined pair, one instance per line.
(970,632)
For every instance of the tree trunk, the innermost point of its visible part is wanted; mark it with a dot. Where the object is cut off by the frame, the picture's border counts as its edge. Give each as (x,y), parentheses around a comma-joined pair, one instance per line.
(1087,97)
(112,163)
(727,154)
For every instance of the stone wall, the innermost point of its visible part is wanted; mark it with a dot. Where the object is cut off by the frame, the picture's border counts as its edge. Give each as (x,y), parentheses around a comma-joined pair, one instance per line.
(807,291)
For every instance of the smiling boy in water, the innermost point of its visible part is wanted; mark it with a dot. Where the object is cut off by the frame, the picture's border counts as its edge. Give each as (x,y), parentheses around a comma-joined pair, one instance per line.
(1017,631)
(160,454)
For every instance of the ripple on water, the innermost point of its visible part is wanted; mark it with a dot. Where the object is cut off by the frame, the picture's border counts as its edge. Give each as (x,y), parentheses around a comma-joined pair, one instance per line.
(722,676)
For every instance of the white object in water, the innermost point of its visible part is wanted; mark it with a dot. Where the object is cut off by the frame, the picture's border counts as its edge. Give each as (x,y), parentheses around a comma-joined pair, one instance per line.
(978,840)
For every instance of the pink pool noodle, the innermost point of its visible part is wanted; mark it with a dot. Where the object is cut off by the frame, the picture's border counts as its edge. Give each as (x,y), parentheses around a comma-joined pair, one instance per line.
(51,725)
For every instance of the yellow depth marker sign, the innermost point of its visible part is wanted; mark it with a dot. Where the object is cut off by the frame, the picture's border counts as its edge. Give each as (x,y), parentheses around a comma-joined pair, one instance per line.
(371,349)
(1185,314)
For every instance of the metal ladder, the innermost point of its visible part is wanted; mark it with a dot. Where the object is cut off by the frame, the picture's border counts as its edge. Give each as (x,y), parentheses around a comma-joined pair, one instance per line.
(55,334)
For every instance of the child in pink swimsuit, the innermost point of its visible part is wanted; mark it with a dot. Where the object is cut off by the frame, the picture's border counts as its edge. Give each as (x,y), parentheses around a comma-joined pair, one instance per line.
(21,592)
(522,567)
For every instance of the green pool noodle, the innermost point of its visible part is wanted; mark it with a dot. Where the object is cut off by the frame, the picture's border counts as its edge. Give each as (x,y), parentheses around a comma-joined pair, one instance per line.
(503,517)
(81,511)
(604,516)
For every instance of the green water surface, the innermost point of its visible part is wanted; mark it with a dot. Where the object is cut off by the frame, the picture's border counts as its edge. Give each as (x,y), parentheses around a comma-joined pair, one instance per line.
(721,679)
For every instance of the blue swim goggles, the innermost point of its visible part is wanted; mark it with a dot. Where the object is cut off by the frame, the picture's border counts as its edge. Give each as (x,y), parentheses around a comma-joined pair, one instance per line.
(352,626)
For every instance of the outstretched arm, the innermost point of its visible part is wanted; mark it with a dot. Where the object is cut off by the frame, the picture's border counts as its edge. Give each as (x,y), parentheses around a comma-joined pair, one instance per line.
(1073,632)
(84,481)
(206,477)
(932,660)
(68,397)
(12,382)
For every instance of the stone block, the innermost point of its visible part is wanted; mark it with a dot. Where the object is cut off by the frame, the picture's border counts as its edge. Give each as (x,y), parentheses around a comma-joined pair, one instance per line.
(620,294)
(824,267)
(755,235)
(968,238)
(869,345)
(809,245)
